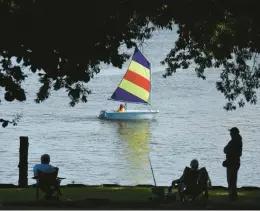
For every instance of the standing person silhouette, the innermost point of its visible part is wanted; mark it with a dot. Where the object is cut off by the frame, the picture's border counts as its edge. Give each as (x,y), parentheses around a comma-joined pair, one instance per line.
(233,151)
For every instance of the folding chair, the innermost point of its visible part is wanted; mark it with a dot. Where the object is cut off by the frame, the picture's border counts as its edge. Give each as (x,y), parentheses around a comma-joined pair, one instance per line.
(194,185)
(48,182)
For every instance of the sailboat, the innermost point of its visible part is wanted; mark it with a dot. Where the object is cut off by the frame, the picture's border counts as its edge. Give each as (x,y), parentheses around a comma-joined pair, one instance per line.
(135,87)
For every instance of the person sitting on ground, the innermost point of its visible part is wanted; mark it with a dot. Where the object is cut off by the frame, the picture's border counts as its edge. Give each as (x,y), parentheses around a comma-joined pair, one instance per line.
(121,108)
(44,166)
(194,164)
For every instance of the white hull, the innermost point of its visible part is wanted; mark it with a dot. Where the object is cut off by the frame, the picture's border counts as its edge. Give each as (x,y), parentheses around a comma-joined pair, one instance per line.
(128,115)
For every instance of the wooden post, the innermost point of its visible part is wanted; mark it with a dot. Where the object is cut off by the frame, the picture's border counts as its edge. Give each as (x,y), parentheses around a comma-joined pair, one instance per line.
(23,162)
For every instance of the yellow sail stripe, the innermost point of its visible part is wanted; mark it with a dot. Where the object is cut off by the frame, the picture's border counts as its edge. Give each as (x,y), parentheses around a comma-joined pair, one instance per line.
(139,69)
(134,89)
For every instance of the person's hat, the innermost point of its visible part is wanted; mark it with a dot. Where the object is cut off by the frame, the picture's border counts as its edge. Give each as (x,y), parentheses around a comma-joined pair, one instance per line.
(122,105)
(234,130)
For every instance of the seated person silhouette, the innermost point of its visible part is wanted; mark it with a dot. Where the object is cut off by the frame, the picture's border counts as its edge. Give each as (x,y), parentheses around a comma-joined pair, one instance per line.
(45,168)
(121,108)
(193,181)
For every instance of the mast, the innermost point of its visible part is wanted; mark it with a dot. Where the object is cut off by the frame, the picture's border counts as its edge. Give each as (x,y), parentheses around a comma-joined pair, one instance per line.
(125,73)
(150,83)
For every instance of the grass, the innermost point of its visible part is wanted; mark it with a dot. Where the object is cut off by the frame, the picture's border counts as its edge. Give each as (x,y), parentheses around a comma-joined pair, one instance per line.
(120,197)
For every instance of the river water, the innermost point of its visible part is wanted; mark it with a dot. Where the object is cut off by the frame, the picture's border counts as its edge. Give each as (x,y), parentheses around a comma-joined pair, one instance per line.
(191,124)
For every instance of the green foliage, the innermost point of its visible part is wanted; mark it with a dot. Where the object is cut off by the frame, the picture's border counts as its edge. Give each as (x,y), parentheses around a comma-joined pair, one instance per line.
(222,35)
(64,42)
(15,120)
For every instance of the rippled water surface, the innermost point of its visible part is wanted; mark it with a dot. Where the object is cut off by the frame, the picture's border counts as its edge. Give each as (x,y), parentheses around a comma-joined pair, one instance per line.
(191,124)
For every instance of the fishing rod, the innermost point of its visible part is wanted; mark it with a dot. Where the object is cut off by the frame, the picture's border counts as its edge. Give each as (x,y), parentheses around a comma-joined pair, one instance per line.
(152,170)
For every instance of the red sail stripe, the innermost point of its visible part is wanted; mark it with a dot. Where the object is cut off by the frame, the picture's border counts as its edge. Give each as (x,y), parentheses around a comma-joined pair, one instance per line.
(137,80)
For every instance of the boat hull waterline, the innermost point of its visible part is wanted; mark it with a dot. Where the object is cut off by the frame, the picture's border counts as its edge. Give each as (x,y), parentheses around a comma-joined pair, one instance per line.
(128,115)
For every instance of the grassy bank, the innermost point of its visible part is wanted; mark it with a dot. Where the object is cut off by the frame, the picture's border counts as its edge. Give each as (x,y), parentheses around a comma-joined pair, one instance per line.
(120,197)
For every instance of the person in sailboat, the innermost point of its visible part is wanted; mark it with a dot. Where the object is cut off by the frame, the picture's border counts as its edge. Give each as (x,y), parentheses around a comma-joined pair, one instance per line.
(121,108)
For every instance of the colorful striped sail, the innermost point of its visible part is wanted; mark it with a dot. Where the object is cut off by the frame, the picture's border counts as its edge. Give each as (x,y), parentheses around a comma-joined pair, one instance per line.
(135,86)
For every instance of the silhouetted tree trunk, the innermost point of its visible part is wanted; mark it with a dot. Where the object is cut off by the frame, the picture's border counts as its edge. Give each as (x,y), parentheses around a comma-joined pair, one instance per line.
(23,162)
